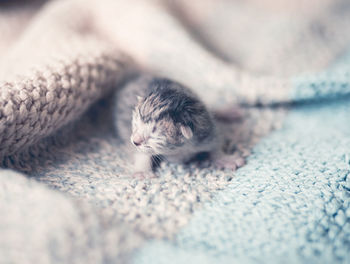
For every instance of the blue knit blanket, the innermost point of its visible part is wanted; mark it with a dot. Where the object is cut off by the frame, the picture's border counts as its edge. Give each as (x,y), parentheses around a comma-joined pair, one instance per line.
(291,202)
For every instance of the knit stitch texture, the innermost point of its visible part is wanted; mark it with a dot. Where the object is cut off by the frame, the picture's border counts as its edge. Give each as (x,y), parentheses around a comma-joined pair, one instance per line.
(66,195)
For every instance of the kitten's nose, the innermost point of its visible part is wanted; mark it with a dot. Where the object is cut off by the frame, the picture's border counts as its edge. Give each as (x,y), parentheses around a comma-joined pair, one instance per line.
(137,143)
(137,140)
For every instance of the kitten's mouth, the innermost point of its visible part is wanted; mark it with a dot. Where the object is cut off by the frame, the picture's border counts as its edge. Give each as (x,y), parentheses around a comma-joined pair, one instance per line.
(145,149)
(148,151)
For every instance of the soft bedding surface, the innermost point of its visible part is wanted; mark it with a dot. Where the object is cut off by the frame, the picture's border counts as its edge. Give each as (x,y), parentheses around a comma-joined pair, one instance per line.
(66,195)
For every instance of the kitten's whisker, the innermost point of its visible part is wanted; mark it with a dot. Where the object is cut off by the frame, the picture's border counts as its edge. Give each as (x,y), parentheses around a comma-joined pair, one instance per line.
(155,160)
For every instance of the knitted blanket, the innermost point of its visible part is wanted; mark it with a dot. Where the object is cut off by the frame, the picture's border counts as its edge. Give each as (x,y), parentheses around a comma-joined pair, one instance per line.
(66,195)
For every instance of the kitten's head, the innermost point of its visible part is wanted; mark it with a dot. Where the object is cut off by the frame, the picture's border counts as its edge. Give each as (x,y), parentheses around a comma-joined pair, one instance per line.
(165,119)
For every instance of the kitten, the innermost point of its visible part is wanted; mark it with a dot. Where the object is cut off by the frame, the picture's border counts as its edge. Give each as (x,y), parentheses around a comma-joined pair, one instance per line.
(163,119)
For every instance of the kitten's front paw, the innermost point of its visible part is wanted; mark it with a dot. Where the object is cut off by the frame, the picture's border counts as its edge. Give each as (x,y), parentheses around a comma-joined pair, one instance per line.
(144,175)
(229,162)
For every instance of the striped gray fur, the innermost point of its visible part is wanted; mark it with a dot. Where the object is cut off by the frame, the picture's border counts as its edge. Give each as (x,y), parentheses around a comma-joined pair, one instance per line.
(162,110)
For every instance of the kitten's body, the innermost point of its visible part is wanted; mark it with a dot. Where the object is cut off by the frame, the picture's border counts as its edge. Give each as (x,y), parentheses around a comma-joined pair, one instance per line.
(163,118)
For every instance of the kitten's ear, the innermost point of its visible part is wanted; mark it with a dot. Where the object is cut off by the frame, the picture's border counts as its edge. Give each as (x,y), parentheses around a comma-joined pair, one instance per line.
(186,131)
(139,98)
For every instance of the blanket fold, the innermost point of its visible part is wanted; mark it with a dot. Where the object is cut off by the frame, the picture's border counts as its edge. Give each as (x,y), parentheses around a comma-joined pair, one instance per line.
(69,196)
